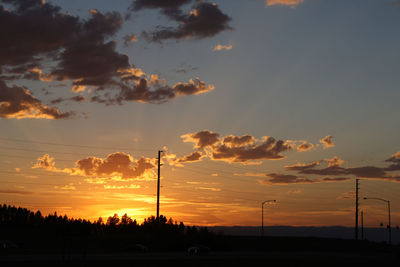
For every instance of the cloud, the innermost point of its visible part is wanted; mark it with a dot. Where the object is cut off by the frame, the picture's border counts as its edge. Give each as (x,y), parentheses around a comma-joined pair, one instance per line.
(335,161)
(158,4)
(18,102)
(77,98)
(204,20)
(291,3)
(335,179)
(238,141)
(327,141)
(130,38)
(285,179)
(131,186)
(395,160)
(220,47)
(294,192)
(334,168)
(147,90)
(305,147)
(79,51)
(201,139)
(269,148)
(16,192)
(237,149)
(347,195)
(193,157)
(115,165)
(37,74)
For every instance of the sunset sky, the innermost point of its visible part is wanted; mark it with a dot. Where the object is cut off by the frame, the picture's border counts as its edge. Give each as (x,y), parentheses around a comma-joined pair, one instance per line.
(250,100)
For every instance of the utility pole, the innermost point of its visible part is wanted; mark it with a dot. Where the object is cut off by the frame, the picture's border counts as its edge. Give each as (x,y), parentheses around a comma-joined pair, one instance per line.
(356,222)
(389,225)
(362,225)
(158,185)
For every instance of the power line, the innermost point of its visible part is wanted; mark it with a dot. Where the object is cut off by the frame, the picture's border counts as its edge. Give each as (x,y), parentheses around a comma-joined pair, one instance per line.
(70,145)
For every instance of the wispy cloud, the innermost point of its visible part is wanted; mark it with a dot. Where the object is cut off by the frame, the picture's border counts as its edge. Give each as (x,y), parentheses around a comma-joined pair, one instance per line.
(220,47)
(291,3)
(333,167)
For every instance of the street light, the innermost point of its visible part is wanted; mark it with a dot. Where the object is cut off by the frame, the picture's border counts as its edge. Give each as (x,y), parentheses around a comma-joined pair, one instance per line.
(388,203)
(262,214)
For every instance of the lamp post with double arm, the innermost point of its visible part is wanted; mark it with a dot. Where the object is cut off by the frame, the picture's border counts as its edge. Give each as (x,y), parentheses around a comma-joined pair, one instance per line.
(388,205)
(262,214)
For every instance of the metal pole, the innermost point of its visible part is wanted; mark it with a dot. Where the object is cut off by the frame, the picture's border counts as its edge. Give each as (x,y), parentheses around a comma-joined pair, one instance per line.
(158,186)
(390,229)
(362,225)
(262,214)
(356,222)
(389,226)
(262,219)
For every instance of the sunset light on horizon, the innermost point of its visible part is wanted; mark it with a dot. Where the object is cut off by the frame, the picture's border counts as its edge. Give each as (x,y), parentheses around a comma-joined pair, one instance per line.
(249,101)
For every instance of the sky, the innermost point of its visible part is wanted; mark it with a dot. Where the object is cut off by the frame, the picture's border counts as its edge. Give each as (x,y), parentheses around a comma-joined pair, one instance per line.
(249,100)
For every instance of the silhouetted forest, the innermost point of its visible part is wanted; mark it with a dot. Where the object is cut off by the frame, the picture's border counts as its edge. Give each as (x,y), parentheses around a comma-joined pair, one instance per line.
(31,229)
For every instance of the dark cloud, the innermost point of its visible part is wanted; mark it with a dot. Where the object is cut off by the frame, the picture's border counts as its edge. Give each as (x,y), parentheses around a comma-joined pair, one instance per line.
(38,36)
(395,160)
(238,149)
(158,4)
(285,179)
(23,22)
(334,168)
(270,148)
(77,98)
(90,64)
(202,139)
(193,157)
(16,192)
(238,141)
(276,178)
(204,20)
(18,102)
(335,179)
(149,91)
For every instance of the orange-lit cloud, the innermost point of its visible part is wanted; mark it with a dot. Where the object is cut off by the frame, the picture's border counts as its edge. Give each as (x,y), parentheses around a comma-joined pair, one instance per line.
(327,141)
(17,102)
(305,147)
(291,3)
(244,149)
(37,74)
(130,38)
(220,47)
(335,161)
(117,166)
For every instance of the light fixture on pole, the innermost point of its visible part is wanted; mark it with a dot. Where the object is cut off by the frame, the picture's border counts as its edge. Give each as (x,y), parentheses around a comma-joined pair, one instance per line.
(388,204)
(262,214)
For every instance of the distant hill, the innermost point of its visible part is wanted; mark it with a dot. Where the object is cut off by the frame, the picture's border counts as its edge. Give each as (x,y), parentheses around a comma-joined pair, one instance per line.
(371,234)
